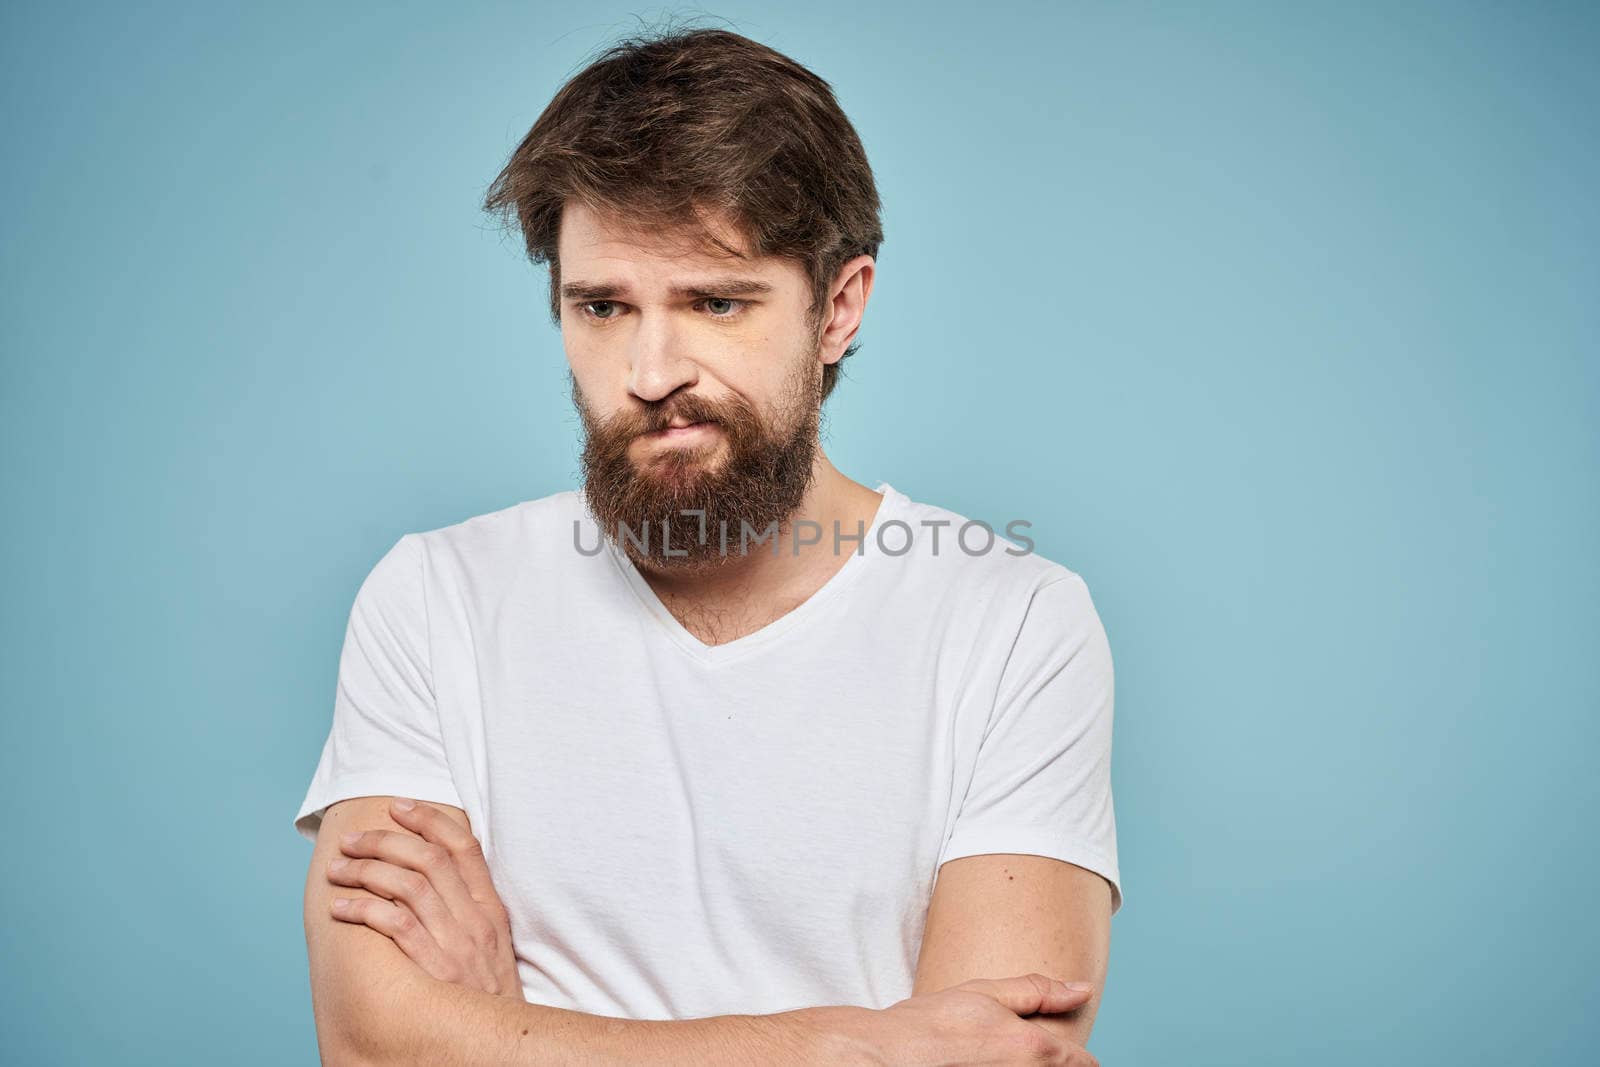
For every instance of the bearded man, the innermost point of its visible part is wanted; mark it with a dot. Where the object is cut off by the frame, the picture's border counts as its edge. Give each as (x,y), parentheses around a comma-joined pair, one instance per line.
(726,758)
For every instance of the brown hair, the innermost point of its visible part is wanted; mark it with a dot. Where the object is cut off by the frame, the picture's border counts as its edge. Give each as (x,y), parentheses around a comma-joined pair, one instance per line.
(665,126)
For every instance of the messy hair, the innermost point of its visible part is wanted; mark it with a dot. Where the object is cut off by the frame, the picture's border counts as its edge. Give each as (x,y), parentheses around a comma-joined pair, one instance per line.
(669,127)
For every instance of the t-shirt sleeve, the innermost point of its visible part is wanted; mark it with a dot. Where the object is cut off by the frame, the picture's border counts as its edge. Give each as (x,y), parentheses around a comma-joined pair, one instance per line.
(385,738)
(1042,783)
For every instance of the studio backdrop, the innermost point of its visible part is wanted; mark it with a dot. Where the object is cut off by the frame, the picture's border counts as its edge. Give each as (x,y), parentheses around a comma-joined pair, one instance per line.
(1278,322)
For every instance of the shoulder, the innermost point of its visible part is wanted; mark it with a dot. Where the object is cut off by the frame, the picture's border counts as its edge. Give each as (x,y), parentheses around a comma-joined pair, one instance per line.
(998,596)
(974,557)
(506,537)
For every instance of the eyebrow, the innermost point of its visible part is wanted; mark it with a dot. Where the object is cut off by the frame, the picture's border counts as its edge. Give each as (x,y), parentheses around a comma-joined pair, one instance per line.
(584,290)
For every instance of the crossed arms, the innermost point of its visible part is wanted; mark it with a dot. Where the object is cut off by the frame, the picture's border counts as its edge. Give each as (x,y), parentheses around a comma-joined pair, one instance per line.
(991,916)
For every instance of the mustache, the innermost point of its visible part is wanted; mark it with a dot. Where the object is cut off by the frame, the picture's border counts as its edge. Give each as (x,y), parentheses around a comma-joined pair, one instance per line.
(661,415)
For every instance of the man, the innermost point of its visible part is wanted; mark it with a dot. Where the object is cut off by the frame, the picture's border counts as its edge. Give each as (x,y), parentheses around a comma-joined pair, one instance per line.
(728,758)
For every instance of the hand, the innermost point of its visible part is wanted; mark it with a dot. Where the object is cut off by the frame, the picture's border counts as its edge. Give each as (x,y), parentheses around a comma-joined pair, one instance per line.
(440,904)
(976,1022)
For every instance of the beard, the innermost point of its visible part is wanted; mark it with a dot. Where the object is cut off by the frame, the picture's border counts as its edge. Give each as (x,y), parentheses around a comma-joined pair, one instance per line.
(758,482)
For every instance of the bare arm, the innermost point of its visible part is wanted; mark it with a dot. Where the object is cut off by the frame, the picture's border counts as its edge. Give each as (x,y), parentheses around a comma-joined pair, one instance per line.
(374,1005)
(1010,913)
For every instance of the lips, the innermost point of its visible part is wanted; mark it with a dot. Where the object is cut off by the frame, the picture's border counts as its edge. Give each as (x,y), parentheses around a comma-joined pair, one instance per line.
(682,429)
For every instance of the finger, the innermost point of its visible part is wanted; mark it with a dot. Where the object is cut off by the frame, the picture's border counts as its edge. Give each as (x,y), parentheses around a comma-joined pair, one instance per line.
(431,861)
(1040,1045)
(438,827)
(1052,1048)
(397,883)
(401,927)
(1032,993)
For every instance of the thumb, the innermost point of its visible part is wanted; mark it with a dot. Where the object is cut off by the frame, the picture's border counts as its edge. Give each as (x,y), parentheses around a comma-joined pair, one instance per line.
(1031,993)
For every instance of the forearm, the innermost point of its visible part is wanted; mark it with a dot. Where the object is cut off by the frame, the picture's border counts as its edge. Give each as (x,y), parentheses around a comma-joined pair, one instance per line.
(437,1024)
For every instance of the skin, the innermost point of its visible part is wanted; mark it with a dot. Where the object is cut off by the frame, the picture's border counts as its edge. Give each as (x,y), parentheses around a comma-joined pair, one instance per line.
(433,868)
(643,344)
(417,966)
(1006,914)
(375,1004)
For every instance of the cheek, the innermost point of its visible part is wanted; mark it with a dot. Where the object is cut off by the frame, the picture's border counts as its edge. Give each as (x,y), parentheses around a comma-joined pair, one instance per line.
(587,368)
(590,357)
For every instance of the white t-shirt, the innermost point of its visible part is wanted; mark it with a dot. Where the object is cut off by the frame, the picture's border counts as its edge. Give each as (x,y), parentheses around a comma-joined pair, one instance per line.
(681,830)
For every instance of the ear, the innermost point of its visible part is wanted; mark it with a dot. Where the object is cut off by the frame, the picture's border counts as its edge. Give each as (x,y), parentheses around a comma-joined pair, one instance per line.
(847,304)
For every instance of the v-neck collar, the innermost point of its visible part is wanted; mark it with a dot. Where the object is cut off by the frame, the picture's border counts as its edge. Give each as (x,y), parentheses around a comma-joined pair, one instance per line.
(698,649)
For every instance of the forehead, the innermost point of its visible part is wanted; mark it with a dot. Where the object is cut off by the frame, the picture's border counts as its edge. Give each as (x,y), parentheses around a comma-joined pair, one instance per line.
(596,243)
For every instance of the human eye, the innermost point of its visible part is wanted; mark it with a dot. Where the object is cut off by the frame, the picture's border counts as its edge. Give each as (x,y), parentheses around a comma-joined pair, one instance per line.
(600,310)
(722,307)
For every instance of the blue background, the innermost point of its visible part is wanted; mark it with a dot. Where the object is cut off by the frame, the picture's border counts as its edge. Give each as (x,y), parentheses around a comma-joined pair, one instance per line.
(1279,322)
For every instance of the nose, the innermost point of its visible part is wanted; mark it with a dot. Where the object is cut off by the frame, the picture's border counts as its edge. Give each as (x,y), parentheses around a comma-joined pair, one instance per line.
(660,364)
